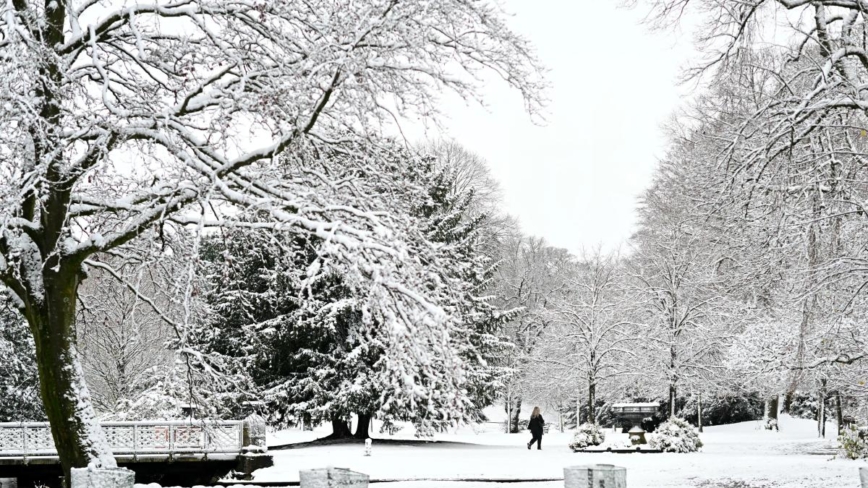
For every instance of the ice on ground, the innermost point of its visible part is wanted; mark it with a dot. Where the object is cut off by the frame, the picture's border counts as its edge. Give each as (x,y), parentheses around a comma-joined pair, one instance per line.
(744,452)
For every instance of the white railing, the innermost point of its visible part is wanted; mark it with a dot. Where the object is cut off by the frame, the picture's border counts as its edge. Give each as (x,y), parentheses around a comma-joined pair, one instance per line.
(136,438)
(634,409)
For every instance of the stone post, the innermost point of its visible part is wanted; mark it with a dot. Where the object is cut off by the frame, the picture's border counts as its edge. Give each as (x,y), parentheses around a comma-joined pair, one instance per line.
(102,478)
(595,476)
(254,450)
(332,478)
(254,434)
(863,476)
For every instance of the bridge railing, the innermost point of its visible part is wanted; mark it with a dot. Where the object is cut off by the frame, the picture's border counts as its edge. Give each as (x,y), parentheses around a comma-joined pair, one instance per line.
(34,439)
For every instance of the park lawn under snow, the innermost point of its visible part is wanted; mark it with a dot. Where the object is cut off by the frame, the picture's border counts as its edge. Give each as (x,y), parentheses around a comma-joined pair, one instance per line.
(791,458)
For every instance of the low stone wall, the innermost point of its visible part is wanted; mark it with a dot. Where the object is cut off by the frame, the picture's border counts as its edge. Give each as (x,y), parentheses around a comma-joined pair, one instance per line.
(332,478)
(102,478)
(595,476)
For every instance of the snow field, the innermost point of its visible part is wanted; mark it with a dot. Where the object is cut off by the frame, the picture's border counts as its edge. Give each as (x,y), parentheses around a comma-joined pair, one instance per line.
(732,453)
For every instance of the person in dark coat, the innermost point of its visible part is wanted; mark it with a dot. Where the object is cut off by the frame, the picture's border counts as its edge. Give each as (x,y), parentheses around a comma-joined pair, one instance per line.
(536,426)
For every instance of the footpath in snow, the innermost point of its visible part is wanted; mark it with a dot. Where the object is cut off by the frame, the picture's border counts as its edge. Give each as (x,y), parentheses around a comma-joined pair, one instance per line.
(735,456)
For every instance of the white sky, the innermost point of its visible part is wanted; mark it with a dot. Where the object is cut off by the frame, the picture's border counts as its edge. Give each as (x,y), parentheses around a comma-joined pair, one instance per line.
(575,180)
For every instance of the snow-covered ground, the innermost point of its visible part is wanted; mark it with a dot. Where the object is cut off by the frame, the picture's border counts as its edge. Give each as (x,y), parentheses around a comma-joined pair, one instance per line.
(791,458)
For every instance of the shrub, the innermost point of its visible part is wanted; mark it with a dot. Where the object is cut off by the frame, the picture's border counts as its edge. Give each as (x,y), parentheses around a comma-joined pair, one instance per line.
(602,412)
(853,444)
(587,435)
(803,405)
(724,408)
(675,435)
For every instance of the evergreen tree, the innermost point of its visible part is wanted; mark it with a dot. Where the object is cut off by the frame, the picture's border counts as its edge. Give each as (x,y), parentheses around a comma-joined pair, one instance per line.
(452,223)
(310,338)
(19,379)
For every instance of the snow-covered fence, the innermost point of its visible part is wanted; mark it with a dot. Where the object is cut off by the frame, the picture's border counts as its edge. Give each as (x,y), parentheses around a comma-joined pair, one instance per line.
(33,439)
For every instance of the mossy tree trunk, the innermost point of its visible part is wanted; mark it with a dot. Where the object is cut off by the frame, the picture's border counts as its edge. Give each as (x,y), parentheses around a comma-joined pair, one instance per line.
(49,306)
(64,394)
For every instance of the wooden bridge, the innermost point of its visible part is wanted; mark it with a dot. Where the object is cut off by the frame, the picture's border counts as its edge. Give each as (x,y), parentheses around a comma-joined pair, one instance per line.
(195,452)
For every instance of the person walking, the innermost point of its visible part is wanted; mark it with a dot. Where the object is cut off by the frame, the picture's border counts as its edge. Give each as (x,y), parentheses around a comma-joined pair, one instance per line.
(536,426)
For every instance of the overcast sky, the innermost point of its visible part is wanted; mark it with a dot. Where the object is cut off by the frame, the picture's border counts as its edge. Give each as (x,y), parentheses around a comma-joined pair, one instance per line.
(575,180)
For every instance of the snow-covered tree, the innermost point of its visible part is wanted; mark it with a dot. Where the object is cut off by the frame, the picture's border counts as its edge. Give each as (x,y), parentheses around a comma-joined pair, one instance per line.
(592,338)
(528,276)
(19,380)
(306,343)
(121,338)
(300,343)
(795,148)
(121,119)
(682,273)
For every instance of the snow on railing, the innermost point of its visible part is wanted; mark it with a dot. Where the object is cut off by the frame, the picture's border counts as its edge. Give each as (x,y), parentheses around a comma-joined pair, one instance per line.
(26,439)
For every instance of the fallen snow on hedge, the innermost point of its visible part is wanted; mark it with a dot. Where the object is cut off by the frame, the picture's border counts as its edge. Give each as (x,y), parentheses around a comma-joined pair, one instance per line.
(675,435)
(587,435)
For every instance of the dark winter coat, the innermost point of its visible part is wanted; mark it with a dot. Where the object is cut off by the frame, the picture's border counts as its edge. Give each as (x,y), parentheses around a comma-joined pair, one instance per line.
(536,425)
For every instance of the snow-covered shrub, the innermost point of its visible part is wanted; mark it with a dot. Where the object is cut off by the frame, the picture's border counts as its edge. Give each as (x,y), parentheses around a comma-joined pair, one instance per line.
(853,444)
(803,405)
(771,424)
(675,435)
(587,435)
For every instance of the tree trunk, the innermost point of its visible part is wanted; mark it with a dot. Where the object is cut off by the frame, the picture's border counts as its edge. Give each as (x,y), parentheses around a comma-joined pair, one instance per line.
(839,413)
(788,401)
(77,435)
(578,411)
(592,400)
(672,396)
(507,405)
(673,380)
(363,426)
(515,413)
(699,411)
(340,429)
(821,409)
(774,408)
